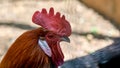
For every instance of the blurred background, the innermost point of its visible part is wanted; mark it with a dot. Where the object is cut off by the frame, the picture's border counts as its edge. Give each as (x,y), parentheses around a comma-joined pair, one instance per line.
(94,23)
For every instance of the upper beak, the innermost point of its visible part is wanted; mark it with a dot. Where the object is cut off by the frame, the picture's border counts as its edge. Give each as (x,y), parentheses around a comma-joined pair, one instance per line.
(66,39)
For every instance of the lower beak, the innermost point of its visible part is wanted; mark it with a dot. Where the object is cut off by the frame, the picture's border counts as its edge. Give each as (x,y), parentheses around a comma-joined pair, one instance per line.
(66,39)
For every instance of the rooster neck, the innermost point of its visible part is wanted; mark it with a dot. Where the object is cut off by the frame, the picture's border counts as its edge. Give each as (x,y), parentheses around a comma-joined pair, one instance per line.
(47,50)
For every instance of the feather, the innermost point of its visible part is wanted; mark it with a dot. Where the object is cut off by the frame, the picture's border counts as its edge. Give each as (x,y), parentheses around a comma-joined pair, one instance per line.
(39,48)
(26,53)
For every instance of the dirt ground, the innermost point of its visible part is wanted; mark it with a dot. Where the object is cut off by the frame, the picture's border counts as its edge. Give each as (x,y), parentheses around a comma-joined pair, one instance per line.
(90,30)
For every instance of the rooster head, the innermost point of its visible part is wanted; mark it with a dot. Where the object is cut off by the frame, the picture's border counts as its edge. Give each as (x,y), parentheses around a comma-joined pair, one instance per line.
(58,30)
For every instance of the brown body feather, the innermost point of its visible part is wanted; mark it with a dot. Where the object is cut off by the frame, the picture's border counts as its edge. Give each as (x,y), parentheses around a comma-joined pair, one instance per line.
(26,53)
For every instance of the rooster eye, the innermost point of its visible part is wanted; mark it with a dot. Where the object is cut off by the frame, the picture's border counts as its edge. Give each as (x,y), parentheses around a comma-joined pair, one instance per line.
(50,36)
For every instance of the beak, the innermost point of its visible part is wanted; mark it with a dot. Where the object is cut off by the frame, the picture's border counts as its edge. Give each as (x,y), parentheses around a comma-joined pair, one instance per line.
(66,39)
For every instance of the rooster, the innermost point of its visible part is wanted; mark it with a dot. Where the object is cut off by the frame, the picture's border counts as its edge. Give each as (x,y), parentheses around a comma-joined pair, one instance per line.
(40,48)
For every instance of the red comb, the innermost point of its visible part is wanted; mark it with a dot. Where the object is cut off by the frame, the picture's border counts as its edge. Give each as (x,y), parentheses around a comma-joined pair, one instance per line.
(52,22)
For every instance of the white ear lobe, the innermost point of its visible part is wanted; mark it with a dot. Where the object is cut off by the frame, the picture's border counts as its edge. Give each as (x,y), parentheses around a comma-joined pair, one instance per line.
(45,47)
